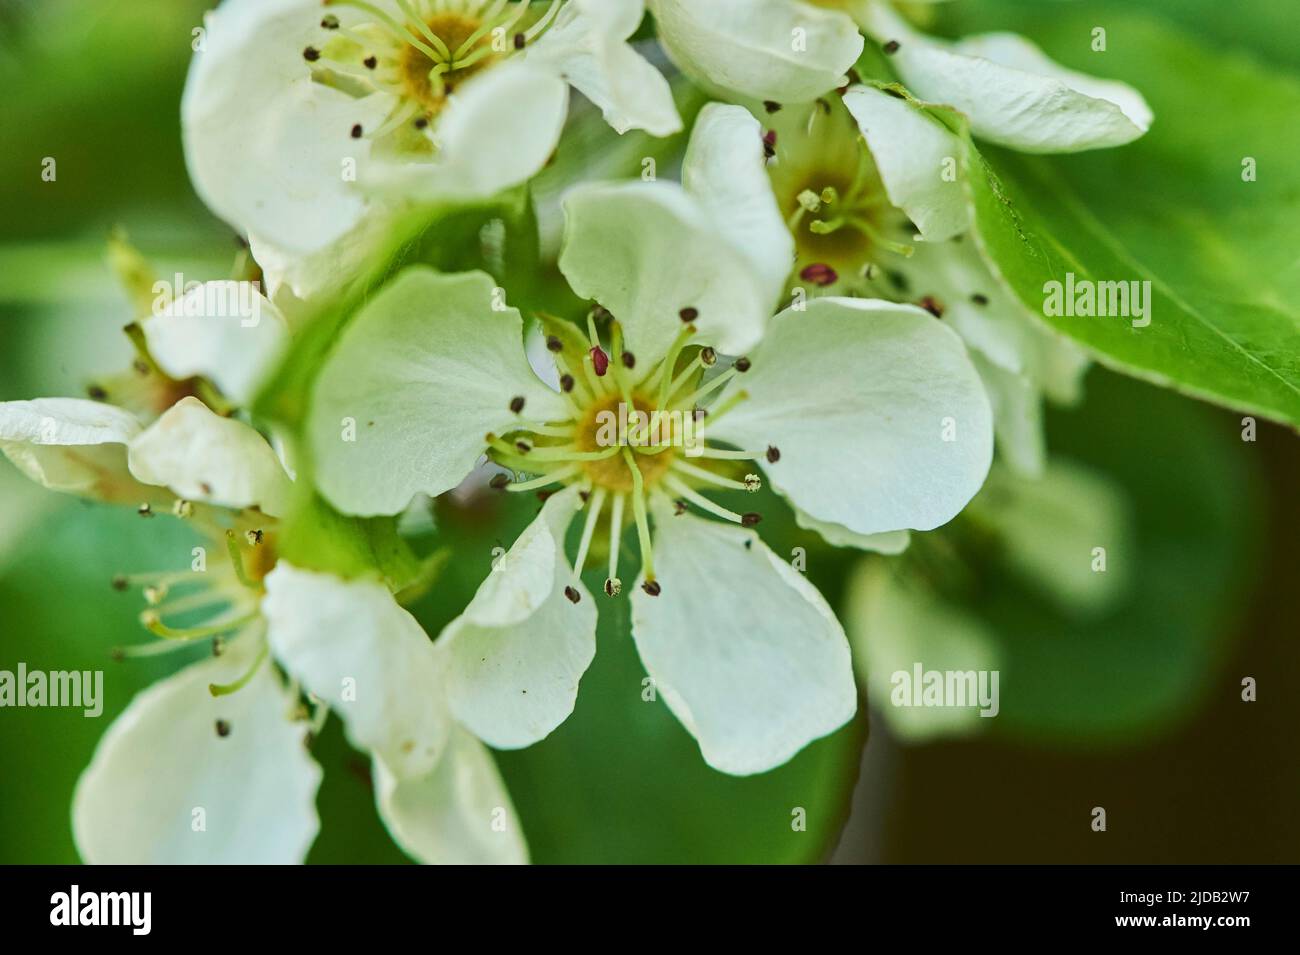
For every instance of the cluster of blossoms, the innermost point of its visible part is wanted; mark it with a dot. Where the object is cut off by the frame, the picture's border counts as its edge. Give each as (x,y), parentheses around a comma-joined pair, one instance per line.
(805,308)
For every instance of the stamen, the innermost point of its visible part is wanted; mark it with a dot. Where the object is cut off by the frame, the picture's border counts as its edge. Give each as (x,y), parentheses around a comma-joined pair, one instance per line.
(639,512)
(152,622)
(543,22)
(723,454)
(225,689)
(489,19)
(751,483)
(417,21)
(700,501)
(589,528)
(237,560)
(665,371)
(560,474)
(401,34)
(741,365)
(613,586)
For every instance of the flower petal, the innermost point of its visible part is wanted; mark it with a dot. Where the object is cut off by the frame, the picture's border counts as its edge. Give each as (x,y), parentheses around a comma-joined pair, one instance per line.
(457,814)
(887,542)
(352,645)
(202,456)
(744,650)
(249,90)
(1013,93)
(777,50)
(586,45)
(724,170)
(881,421)
(496,131)
(227,332)
(518,651)
(422,374)
(164,787)
(73,445)
(910,150)
(647,250)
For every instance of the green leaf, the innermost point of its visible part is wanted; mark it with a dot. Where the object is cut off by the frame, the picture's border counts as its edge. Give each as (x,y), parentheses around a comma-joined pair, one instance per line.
(1171,209)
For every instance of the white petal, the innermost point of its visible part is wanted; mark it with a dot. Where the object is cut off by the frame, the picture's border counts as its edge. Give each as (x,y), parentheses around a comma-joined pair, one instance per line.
(744,650)
(778,50)
(518,651)
(910,150)
(165,788)
(586,46)
(249,93)
(226,332)
(881,420)
(202,456)
(647,250)
(887,542)
(894,625)
(72,445)
(1017,417)
(458,814)
(352,645)
(496,131)
(724,169)
(422,374)
(1013,93)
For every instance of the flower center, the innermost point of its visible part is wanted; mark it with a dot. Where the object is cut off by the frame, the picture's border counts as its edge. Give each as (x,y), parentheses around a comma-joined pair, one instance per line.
(631,434)
(430,81)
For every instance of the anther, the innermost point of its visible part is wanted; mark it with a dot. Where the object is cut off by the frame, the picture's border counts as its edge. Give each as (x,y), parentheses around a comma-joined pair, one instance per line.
(629,360)
(311,54)
(572,594)
(931,305)
(753,482)
(155,595)
(708,357)
(613,586)
(979,299)
(742,364)
(554,344)
(182,508)
(585,495)
(120,583)
(679,507)
(566,383)
(652,588)
(771,105)
(599,361)
(519,41)
(421,122)
(750,519)
(356,131)
(544,495)
(96,393)
(819,273)
(330,22)
(499,481)
(891,47)
(517,404)
(522,446)
(223,728)
(218,646)
(254,537)
(689,314)
(769,143)
(144,510)
(371,62)
(773,454)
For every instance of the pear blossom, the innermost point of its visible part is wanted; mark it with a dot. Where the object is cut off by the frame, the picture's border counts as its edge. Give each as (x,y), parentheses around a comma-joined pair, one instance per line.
(841,404)
(341,111)
(793,51)
(208,765)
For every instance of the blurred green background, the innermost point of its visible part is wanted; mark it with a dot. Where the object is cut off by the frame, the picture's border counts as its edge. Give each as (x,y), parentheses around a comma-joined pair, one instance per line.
(1137,709)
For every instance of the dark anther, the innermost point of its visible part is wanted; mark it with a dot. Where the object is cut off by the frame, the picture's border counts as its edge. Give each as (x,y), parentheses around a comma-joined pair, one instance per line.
(371,62)
(572,594)
(652,588)
(773,454)
(422,122)
(255,537)
(771,106)
(144,510)
(742,365)
(119,582)
(96,393)
(979,299)
(330,22)
(140,366)
(218,646)
(356,131)
(750,519)
(554,344)
(708,357)
(311,54)
(629,360)
(819,273)
(585,495)
(223,728)
(117,654)
(689,314)
(891,47)
(932,305)
(523,447)
(600,361)
(517,404)
(769,143)
(499,481)
(679,506)
(600,313)
(566,383)
(544,495)
(520,40)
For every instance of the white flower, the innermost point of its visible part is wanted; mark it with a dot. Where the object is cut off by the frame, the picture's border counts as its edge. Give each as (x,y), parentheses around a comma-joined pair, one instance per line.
(844,405)
(792,51)
(856,190)
(209,764)
(412,99)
